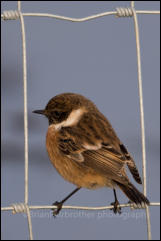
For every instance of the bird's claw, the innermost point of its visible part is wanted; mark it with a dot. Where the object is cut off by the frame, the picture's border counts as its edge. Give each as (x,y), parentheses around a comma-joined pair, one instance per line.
(116,208)
(57,210)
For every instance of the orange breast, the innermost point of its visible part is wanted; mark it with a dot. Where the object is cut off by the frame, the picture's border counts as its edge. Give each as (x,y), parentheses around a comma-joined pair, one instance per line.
(72,171)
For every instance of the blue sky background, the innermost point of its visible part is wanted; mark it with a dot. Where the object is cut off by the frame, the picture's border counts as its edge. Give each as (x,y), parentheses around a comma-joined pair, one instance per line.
(96,59)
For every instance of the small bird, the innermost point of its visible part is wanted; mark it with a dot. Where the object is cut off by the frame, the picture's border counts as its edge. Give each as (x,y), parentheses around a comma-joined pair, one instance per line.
(85,150)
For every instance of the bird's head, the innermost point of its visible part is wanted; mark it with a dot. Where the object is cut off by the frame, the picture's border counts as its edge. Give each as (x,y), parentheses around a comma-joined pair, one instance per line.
(60,107)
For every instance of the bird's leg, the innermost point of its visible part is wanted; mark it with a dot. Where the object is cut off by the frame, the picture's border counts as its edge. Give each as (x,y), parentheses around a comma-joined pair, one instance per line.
(115,204)
(60,204)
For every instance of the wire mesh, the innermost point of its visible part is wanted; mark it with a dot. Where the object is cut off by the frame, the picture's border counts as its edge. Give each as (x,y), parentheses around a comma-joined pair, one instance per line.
(120,12)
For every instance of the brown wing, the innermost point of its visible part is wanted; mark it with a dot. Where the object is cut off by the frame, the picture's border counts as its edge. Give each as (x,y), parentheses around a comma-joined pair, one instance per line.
(70,148)
(93,143)
(107,162)
(105,159)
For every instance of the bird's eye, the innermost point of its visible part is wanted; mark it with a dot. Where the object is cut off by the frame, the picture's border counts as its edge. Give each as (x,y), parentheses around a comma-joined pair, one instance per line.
(57,113)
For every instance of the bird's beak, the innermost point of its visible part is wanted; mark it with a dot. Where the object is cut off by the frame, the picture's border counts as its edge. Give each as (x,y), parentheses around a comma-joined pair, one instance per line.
(41,112)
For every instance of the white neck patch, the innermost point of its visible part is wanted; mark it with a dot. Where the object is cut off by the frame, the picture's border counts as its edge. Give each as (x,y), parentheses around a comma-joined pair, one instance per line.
(72,119)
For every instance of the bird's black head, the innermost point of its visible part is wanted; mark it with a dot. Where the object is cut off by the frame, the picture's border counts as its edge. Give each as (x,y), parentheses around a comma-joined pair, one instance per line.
(60,106)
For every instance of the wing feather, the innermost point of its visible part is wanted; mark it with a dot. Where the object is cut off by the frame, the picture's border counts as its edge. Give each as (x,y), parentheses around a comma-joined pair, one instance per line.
(106,160)
(94,143)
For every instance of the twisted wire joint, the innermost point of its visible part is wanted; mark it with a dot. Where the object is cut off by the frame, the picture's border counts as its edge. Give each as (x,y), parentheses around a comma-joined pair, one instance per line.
(11,15)
(19,208)
(124,12)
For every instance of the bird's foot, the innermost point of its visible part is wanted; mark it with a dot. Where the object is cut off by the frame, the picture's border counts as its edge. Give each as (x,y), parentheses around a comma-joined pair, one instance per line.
(57,210)
(116,208)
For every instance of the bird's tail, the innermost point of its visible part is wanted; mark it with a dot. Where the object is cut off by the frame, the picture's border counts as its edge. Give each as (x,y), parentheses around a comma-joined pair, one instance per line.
(133,194)
(134,171)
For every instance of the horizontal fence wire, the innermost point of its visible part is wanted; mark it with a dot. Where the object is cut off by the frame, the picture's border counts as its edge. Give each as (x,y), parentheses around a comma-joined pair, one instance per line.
(4,15)
(73,207)
(120,12)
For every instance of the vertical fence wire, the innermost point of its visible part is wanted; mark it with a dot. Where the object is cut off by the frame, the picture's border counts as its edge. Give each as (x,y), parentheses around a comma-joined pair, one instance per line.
(142,122)
(25,118)
(19,6)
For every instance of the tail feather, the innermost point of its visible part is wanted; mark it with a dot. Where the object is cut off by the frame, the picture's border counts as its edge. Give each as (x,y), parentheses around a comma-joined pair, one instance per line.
(131,164)
(134,171)
(133,194)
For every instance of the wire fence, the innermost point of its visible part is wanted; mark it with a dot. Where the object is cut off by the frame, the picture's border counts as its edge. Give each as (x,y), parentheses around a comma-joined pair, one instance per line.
(119,12)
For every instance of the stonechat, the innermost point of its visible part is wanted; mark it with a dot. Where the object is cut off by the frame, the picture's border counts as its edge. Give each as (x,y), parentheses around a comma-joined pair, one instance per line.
(85,150)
